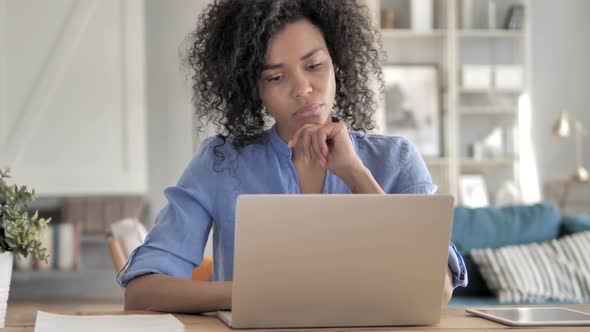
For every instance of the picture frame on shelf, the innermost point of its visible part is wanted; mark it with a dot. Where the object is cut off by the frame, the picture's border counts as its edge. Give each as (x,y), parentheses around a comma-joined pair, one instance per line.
(411,105)
(473,190)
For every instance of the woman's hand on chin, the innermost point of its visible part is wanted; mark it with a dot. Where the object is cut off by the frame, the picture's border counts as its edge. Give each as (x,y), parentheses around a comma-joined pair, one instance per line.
(328,144)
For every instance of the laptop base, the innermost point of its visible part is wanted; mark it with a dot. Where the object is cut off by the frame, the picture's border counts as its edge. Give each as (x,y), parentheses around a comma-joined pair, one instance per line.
(225,317)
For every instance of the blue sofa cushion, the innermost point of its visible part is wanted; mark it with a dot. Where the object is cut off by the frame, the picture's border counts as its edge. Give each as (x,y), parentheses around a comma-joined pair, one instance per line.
(492,227)
(576,224)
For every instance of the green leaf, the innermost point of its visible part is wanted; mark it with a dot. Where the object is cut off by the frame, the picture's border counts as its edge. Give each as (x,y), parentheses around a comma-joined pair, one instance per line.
(19,233)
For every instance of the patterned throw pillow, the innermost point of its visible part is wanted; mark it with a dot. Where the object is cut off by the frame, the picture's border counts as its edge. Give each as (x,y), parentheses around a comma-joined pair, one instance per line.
(554,270)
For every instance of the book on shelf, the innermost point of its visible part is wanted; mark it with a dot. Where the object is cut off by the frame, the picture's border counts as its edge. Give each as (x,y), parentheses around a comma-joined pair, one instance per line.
(46,238)
(66,247)
(62,241)
(95,214)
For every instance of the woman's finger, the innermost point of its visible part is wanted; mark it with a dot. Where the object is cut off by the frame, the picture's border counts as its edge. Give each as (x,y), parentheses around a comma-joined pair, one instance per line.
(296,137)
(323,141)
(306,140)
(317,136)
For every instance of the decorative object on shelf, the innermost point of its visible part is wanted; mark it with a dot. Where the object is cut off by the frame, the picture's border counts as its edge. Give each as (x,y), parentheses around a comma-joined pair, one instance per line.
(491,14)
(490,147)
(411,105)
(508,77)
(493,143)
(562,129)
(476,151)
(476,76)
(515,18)
(422,15)
(467,14)
(19,234)
(472,188)
(387,18)
(508,194)
(511,141)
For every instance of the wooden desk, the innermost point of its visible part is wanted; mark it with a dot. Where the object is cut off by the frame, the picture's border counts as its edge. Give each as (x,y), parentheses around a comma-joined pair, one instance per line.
(21,317)
(571,196)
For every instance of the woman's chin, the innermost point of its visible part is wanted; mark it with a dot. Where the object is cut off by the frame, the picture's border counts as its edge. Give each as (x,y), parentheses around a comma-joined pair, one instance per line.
(313,120)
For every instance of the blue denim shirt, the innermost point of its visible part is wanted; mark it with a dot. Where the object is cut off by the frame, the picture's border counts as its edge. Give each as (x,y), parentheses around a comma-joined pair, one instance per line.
(206,195)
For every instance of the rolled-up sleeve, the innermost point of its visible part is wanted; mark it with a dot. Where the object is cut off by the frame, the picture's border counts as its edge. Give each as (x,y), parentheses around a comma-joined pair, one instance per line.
(176,243)
(457,266)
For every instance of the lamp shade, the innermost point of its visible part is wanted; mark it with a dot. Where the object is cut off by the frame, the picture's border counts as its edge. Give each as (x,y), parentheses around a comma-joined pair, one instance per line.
(562,127)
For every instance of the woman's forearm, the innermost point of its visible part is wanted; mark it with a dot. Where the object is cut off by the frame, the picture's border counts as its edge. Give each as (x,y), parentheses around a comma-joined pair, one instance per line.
(361,181)
(159,292)
(448,287)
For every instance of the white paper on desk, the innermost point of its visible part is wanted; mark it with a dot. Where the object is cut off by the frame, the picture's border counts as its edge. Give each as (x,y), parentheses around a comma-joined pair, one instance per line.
(48,322)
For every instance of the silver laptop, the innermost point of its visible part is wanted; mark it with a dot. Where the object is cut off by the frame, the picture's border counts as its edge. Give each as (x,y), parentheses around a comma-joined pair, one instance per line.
(339,260)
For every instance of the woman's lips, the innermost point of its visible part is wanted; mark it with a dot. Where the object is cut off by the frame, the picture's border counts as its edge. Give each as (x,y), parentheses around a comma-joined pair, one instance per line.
(309,110)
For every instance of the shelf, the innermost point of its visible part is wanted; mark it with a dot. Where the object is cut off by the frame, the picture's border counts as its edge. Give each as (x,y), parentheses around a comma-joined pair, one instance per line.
(436,162)
(485,33)
(95,283)
(499,162)
(488,111)
(489,90)
(40,275)
(407,33)
(93,239)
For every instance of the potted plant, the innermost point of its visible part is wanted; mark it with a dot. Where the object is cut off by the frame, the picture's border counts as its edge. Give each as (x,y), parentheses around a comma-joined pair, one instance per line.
(19,233)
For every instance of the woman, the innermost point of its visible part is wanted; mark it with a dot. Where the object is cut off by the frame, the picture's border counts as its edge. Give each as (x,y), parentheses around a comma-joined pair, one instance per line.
(306,64)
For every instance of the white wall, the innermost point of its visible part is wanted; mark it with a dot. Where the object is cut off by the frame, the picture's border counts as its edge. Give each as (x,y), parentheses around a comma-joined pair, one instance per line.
(169,119)
(561,79)
(72,118)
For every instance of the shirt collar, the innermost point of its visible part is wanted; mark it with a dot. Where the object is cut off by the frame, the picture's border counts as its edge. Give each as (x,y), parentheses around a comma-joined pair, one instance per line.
(278,143)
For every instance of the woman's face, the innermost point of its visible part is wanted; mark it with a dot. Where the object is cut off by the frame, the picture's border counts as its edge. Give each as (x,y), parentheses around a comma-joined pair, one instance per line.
(297,85)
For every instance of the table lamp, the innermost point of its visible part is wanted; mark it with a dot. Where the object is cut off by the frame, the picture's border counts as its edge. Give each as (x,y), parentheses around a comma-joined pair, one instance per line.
(562,128)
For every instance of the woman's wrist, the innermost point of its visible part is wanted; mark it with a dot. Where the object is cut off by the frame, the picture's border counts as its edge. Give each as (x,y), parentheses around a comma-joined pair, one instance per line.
(360,180)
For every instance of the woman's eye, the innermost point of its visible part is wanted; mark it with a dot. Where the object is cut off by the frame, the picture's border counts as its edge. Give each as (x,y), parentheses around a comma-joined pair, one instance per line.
(274,78)
(315,66)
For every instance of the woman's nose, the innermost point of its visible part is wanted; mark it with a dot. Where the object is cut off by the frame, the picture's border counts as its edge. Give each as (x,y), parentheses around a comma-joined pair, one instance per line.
(302,86)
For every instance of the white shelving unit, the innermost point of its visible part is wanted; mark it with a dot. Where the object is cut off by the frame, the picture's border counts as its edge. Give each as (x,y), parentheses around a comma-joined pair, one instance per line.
(407,33)
(495,33)
(490,91)
(466,113)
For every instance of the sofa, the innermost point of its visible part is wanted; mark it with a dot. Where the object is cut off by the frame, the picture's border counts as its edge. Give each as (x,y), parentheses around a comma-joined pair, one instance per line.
(492,227)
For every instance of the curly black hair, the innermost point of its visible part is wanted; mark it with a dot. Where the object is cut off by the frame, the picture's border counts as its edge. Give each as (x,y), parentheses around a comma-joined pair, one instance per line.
(226,53)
